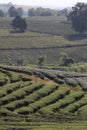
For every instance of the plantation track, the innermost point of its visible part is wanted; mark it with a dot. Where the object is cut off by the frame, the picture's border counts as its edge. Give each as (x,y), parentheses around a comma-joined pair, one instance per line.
(44,48)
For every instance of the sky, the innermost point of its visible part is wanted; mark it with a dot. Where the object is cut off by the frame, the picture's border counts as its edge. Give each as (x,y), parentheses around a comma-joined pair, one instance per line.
(49,3)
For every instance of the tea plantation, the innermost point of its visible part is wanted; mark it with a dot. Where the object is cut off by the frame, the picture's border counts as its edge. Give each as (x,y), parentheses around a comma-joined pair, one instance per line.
(42,98)
(48,36)
(33,98)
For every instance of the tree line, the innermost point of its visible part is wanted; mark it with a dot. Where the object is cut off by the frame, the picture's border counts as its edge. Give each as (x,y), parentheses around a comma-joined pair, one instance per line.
(13,12)
(78,17)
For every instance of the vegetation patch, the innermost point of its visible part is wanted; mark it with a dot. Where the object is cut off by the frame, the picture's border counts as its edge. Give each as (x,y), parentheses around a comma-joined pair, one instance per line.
(33,98)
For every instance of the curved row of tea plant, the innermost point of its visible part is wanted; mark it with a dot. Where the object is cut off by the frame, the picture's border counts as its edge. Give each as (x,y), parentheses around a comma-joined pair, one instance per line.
(30,95)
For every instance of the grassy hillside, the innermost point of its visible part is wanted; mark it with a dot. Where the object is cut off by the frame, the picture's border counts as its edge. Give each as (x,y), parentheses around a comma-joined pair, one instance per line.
(48,36)
(32,99)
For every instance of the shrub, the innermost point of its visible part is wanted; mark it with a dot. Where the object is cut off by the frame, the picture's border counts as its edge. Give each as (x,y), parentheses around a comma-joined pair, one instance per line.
(19,23)
(83,84)
(72,82)
(16,104)
(24,111)
(9,88)
(82,111)
(59,81)
(3,82)
(50,75)
(60,75)
(4,112)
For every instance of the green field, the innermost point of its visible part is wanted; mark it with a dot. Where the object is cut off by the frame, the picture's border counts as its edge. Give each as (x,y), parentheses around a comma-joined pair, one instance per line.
(44,126)
(48,36)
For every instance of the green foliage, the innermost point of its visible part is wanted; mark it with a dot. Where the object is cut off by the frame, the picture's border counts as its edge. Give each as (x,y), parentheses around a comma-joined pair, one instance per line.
(14,77)
(19,23)
(39,100)
(41,61)
(3,79)
(65,59)
(62,103)
(20,11)
(2,82)
(72,108)
(62,36)
(31,12)
(72,82)
(42,125)
(82,111)
(78,17)
(42,12)
(1,13)
(53,97)
(20,93)
(59,81)
(4,112)
(12,11)
(9,88)
(42,92)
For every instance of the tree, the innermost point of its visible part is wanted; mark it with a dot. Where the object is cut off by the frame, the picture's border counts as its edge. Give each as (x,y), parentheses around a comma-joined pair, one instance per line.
(20,11)
(41,60)
(63,12)
(78,17)
(13,11)
(19,24)
(46,13)
(2,13)
(65,59)
(42,12)
(31,12)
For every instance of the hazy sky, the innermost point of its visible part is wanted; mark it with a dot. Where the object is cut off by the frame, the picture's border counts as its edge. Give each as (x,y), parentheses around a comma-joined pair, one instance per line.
(54,3)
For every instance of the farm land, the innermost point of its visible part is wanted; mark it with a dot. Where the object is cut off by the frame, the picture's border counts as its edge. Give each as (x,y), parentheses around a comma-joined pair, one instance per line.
(48,36)
(32,98)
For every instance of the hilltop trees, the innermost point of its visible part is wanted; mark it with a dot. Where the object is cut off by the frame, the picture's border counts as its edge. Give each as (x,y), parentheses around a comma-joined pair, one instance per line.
(31,12)
(78,17)
(2,14)
(19,24)
(42,12)
(20,11)
(13,12)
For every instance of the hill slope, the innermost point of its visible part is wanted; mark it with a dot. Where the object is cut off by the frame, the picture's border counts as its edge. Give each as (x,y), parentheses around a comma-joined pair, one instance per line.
(52,95)
(31,96)
(48,36)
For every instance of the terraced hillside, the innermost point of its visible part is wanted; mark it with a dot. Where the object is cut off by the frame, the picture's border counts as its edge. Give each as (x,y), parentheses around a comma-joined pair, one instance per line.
(41,95)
